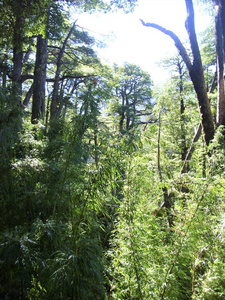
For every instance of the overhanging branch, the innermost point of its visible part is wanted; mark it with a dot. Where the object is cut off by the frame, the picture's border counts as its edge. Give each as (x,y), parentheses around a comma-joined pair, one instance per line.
(195,69)
(176,40)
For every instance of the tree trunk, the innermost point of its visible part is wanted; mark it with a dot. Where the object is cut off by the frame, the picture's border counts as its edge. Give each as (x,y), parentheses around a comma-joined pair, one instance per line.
(38,107)
(54,103)
(122,113)
(197,77)
(182,110)
(127,114)
(197,134)
(195,70)
(17,59)
(4,80)
(220,48)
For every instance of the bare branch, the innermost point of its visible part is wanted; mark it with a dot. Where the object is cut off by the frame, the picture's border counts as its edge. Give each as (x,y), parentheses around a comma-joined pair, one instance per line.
(176,40)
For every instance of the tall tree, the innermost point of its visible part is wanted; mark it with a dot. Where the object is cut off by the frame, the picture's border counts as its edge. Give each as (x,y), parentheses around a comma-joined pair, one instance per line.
(18,38)
(38,106)
(21,19)
(220,50)
(54,103)
(195,69)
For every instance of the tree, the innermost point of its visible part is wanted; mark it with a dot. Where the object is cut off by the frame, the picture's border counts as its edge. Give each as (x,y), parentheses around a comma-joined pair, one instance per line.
(53,108)
(132,96)
(21,19)
(220,50)
(179,77)
(38,87)
(32,18)
(195,69)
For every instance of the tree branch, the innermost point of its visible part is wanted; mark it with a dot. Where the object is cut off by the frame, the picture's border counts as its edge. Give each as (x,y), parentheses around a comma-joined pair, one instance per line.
(176,40)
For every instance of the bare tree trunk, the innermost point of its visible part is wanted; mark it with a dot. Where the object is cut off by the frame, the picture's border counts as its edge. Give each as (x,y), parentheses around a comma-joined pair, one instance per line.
(220,48)
(195,70)
(197,77)
(54,103)
(38,107)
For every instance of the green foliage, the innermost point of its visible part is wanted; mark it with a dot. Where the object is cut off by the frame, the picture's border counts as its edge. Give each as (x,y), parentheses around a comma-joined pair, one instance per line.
(151,257)
(154,261)
(50,221)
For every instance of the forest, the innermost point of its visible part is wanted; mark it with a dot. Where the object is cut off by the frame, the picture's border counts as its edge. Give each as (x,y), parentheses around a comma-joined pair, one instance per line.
(111,187)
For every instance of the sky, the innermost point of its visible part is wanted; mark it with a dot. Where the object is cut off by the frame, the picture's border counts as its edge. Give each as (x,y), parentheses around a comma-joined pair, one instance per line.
(128,40)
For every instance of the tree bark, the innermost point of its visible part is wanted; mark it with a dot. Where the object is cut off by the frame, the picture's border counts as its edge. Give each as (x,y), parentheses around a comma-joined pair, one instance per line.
(38,107)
